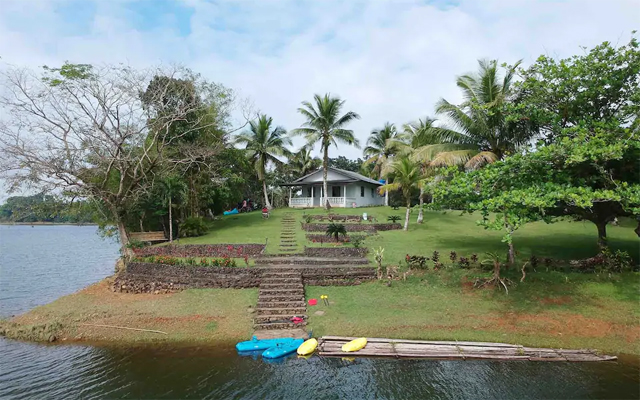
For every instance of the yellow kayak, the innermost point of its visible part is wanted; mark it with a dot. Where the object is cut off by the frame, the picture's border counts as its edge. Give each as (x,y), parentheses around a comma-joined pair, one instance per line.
(355,344)
(308,347)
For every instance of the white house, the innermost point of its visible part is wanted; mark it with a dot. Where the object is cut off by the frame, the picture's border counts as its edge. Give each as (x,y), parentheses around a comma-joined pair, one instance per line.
(345,189)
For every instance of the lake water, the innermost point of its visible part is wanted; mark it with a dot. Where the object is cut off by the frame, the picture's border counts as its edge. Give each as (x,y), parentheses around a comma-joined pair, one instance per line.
(39,264)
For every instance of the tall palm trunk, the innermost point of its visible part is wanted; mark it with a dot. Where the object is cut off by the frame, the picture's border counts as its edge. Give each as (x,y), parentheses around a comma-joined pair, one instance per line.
(420,213)
(170,222)
(406,216)
(325,167)
(266,195)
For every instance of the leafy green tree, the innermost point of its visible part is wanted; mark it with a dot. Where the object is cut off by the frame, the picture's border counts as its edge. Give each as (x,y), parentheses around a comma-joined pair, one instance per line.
(382,145)
(325,125)
(264,145)
(406,176)
(481,120)
(601,85)
(342,162)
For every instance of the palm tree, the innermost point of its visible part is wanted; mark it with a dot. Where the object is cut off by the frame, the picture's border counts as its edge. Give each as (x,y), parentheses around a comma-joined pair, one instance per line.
(407,175)
(381,146)
(302,163)
(426,148)
(263,146)
(325,125)
(172,189)
(480,121)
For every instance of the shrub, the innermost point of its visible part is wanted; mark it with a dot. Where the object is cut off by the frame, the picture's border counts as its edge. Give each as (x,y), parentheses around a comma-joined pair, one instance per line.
(335,230)
(193,226)
(435,257)
(416,262)
(453,256)
(308,219)
(393,218)
(357,241)
(474,258)
(135,244)
(463,262)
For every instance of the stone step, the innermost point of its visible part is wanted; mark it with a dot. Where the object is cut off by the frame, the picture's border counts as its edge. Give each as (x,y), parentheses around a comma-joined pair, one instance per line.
(275,318)
(282,285)
(280,292)
(284,274)
(276,325)
(281,311)
(279,280)
(280,298)
(281,304)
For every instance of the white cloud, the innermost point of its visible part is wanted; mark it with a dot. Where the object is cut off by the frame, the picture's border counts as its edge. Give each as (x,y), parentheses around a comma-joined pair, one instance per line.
(391,61)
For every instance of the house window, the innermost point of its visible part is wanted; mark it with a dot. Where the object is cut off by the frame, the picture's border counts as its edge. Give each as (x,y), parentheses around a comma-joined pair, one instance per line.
(373,192)
(335,191)
(361,191)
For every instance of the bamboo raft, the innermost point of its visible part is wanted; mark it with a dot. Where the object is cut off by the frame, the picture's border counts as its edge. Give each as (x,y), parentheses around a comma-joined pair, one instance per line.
(331,346)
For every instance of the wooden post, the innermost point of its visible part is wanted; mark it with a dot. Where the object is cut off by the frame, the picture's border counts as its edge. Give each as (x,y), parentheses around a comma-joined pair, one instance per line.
(289,196)
(313,191)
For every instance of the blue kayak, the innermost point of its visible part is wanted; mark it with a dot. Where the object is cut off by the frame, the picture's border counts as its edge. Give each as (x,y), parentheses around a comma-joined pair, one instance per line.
(282,350)
(262,344)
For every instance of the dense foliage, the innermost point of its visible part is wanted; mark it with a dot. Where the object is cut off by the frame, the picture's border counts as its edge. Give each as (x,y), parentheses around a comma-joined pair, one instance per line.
(47,208)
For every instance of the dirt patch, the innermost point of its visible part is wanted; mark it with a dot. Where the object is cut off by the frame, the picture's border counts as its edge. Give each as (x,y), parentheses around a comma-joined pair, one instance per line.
(562,324)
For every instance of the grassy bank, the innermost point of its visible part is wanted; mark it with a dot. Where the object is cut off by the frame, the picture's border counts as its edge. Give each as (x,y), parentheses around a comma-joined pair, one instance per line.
(547,310)
(203,315)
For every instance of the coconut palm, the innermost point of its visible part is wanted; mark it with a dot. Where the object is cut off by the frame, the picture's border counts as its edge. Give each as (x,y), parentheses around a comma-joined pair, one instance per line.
(480,121)
(381,146)
(172,190)
(406,175)
(264,145)
(302,163)
(325,125)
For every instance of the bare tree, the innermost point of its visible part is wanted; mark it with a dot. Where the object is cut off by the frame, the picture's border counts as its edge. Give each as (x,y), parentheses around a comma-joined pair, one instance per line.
(103,132)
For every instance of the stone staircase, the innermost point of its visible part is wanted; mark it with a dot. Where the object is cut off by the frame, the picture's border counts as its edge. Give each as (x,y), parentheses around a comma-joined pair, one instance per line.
(280,298)
(288,242)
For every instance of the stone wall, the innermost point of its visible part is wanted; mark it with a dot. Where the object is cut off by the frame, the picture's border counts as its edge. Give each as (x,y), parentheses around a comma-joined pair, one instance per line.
(160,278)
(322,238)
(364,227)
(336,252)
(203,250)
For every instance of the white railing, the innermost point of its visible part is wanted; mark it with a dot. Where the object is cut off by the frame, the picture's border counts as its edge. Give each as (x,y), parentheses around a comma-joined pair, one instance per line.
(301,202)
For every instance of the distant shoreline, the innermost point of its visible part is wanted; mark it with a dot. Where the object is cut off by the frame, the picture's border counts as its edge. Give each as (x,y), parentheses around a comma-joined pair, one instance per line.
(49,223)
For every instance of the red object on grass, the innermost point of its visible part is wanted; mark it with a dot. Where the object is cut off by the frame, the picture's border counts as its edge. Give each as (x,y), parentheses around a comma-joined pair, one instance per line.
(296,320)
(313,302)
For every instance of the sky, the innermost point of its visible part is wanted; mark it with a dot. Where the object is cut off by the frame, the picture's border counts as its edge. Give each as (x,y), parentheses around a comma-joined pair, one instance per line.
(389,60)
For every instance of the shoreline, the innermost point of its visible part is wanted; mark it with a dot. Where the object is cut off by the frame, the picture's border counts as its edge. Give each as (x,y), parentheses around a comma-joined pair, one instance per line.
(223,317)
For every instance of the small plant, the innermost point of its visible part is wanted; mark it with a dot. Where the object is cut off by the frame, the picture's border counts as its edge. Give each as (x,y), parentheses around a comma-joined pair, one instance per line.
(246,260)
(308,219)
(393,218)
(435,257)
(416,262)
(378,255)
(357,241)
(533,260)
(453,256)
(474,258)
(336,230)
(438,266)
(548,262)
(463,262)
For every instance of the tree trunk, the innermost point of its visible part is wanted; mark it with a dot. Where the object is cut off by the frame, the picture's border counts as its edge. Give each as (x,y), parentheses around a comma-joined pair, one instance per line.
(170,223)
(325,167)
(266,195)
(512,254)
(496,272)
(124,240)
(420,213)
(141,227)
(637,230)
(406,216)
(602,234)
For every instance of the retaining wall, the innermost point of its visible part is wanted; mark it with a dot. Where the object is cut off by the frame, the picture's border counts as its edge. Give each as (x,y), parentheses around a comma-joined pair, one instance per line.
(203,250)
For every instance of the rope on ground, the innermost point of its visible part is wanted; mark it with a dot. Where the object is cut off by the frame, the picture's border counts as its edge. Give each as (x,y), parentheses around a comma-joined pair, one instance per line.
(124,327)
